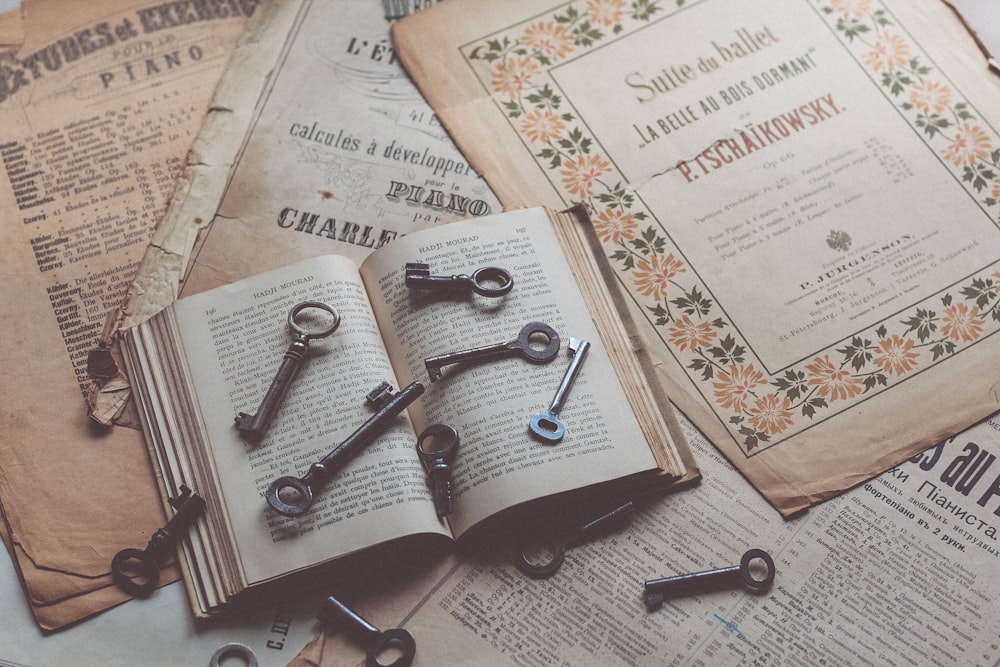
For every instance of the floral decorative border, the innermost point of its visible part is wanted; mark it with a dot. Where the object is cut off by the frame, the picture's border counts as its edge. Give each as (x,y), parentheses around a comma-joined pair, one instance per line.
(759,410)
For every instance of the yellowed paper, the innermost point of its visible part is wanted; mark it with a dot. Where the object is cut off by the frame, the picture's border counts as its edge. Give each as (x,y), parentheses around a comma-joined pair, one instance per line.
(98,106)
(320,145)
(898,571)
(800,199)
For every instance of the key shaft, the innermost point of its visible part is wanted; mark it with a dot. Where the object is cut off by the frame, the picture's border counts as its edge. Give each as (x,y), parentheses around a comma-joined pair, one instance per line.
(389,406)
(253,426)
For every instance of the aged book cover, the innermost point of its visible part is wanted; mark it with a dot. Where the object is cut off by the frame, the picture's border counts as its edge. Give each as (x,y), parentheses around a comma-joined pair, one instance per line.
(800,200)
(200,361)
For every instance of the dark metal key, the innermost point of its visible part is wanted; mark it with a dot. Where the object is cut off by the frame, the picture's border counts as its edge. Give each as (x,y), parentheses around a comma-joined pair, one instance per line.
(146,563)
(335,615)
(546,425)
(744,574)
(436,447)
(252,427)
(521,345)
(293,496)
(488,281)
(542,555)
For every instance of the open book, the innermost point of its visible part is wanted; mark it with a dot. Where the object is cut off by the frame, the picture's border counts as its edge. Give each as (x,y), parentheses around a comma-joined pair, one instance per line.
(211,355)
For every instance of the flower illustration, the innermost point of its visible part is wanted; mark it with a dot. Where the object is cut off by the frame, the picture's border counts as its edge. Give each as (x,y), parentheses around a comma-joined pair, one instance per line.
(615,225)
(852,9)
(541,125)
(771,414)
(890,51)
(605,12)
(962,323)
(579,173)
(930,97)
(971,143)
(550,38)
(652,277)
(831,381)
(733,388)
(511,76)
(995,188)
(896,355)
(687,334)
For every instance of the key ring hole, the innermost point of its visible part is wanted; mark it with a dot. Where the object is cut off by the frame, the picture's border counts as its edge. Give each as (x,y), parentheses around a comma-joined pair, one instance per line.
(547,427)
(757,569)
(491,281)
(538,342)
(438,440)
(234,649)
(313,324)
(540,557)
(135,572)
(397,644)
(289,496)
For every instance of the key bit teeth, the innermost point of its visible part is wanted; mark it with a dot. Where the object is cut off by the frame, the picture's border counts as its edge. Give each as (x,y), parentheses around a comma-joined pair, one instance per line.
(653,600)
(380,395)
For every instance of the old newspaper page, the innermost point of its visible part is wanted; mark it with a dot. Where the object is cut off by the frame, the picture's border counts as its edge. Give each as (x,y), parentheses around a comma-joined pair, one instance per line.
(325,147)
(800,199)
(98,106)
(899,571)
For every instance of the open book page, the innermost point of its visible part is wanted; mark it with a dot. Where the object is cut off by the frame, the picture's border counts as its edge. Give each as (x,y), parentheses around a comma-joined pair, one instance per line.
(99,102)
(499,464)
(799,199)
(898,571)
(233,340)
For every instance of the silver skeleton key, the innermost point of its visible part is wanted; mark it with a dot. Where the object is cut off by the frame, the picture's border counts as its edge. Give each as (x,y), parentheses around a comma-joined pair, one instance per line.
(655,591)
(520,345)
(293,496)
(253,427)
(546,425)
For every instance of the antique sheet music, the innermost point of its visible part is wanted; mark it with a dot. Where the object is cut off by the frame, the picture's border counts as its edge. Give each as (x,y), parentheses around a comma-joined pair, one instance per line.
(800,199)
(325,147)
(98,106)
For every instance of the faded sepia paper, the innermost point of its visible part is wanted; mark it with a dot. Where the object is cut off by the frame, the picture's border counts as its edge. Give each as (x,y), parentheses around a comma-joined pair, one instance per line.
(98,106)
(901,570)
(800,199)
(324,147)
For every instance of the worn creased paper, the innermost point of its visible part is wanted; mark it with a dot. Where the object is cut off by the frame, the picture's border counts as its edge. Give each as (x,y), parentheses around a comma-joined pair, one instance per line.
(98,105)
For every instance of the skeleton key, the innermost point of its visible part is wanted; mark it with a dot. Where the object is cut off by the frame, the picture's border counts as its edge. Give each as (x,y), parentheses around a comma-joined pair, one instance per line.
(528,561)
(437,458)
(488,281)
(520,345)
(546,425)
(187,507)
(335,615)
(657,590)
(253,427)
(293,496)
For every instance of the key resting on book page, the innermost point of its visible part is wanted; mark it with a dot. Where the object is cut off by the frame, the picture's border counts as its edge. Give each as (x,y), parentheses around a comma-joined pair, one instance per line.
(202,360)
